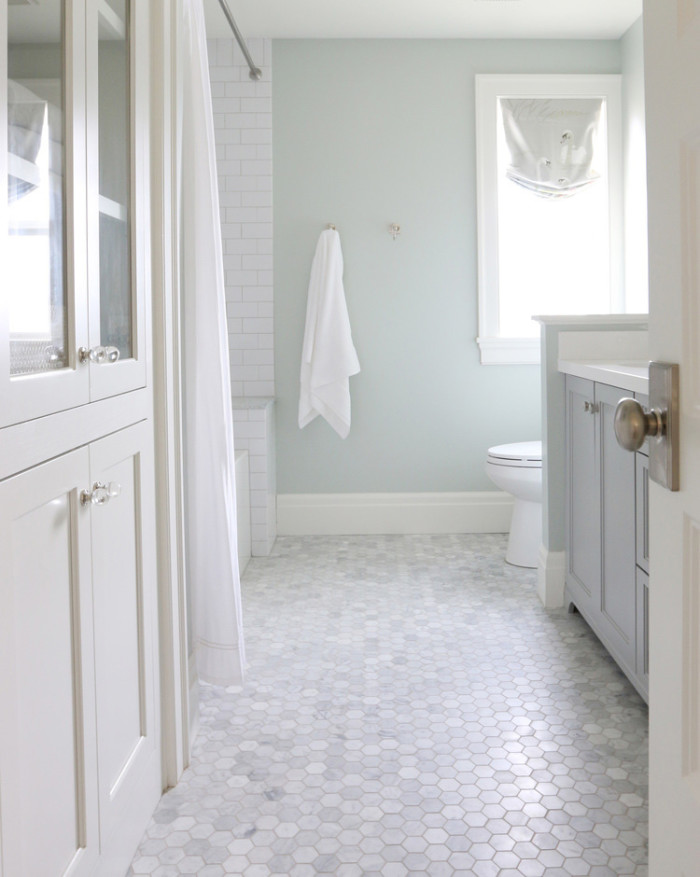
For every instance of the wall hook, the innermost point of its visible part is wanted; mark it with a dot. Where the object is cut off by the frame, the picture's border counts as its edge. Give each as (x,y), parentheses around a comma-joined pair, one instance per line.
(394,230)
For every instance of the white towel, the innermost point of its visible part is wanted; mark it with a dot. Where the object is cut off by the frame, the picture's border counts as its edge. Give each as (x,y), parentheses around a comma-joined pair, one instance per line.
(328,355)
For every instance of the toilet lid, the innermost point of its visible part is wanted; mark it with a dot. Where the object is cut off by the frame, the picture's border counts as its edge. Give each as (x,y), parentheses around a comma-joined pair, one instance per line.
(525,454)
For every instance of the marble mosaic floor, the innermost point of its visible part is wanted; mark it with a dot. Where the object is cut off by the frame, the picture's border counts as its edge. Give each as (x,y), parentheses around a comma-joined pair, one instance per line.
(409,709)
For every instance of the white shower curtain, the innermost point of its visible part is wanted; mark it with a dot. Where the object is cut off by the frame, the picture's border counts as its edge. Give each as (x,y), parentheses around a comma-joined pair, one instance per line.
(211,538)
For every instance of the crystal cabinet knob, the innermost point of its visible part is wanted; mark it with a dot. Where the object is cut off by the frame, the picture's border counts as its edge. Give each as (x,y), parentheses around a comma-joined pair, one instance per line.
(633,424)
(100,494)
(99,355)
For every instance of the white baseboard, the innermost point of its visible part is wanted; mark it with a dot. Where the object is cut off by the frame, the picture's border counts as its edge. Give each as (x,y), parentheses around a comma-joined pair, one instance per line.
(346,514)
(551,574)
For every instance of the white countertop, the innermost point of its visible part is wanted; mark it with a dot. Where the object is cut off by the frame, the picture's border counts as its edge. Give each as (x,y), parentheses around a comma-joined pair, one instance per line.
(627,375)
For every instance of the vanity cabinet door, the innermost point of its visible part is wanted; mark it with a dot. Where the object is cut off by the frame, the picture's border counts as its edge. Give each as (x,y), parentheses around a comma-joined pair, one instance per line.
(583,496)
(617,490)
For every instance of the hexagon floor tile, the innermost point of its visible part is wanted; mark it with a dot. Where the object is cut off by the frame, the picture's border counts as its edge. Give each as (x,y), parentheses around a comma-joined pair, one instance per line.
(409,709)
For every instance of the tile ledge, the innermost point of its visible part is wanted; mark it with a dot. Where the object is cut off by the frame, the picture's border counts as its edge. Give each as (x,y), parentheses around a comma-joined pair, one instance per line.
(241,403)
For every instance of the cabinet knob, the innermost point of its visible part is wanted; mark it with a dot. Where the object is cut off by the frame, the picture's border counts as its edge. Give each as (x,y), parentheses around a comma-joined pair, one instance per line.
(99,355)
(633,424)
(590,407)
(100,494)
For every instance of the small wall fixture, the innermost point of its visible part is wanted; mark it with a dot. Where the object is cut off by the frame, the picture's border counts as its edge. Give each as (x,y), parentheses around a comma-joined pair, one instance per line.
(394,230)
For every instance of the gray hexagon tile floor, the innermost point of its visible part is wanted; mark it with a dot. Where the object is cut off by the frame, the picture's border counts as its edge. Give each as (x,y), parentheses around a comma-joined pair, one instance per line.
(409,709)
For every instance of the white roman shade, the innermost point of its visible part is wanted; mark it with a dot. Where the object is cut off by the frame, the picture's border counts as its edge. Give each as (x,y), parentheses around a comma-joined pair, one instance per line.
(551,143)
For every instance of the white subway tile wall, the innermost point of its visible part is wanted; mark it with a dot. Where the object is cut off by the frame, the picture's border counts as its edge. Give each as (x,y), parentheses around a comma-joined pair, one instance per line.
(243,132)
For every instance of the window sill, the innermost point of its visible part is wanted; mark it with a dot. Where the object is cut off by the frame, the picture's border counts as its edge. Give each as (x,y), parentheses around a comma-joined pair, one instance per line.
(509,351)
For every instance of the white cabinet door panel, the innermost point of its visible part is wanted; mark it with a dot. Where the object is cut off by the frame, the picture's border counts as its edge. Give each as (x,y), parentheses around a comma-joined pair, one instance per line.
(47,734)
(124,583)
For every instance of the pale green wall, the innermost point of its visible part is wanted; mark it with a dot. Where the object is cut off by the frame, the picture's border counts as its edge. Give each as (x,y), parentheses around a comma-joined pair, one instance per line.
(365,133)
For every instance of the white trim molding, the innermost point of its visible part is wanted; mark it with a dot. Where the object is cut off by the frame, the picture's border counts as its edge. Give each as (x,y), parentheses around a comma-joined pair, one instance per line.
(345,514)
(551,574)
(509,351)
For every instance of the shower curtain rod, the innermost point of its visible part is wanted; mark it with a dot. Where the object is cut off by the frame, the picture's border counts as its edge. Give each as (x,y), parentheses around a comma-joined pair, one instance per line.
(255,72)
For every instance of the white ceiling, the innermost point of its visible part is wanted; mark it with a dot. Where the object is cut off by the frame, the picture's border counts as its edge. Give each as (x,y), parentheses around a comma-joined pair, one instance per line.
(437,19)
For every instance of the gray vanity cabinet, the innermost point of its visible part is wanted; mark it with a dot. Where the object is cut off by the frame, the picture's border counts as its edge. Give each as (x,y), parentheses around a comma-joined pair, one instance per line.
(602,525)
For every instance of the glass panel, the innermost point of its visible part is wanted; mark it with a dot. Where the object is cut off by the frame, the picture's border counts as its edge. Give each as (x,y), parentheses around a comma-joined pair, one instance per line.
(114,151)
(36,187)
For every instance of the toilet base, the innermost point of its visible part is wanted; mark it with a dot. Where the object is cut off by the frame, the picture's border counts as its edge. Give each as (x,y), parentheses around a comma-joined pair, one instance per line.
(525,534)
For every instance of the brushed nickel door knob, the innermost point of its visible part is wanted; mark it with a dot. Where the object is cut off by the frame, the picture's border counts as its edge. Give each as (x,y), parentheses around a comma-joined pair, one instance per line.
(633,424)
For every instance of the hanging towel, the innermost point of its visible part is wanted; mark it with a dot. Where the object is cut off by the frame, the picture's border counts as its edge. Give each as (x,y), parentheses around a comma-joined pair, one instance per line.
(328,355)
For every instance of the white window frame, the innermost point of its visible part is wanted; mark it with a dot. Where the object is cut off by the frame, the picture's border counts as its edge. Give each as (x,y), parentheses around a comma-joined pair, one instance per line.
(496,349)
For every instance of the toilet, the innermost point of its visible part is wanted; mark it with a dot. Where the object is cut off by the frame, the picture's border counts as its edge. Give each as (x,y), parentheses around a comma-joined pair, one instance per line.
(517,469)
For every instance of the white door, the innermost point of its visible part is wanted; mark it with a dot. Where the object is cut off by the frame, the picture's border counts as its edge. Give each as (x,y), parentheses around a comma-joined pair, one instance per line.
(48,795)
(124,594)
(672,59)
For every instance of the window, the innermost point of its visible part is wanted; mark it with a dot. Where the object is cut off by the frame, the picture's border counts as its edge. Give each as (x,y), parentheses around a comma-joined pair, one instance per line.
(549,241)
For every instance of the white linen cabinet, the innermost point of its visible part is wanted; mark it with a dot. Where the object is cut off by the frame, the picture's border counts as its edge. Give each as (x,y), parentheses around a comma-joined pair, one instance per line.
(80,767)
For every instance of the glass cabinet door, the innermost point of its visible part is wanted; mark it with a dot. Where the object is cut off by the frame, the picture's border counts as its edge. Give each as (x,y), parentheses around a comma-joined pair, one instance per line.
(116,289)
(40,323)
(74,204)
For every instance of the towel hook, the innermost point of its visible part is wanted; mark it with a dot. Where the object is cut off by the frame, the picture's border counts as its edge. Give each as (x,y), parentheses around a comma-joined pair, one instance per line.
(331,226)
(394,230)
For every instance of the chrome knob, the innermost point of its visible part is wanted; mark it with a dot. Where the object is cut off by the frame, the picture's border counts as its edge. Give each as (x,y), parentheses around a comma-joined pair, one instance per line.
(633,424)
(99,355)
(100,494)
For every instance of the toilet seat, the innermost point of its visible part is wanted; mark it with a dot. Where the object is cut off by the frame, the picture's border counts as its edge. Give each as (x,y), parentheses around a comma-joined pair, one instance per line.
(519,455)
